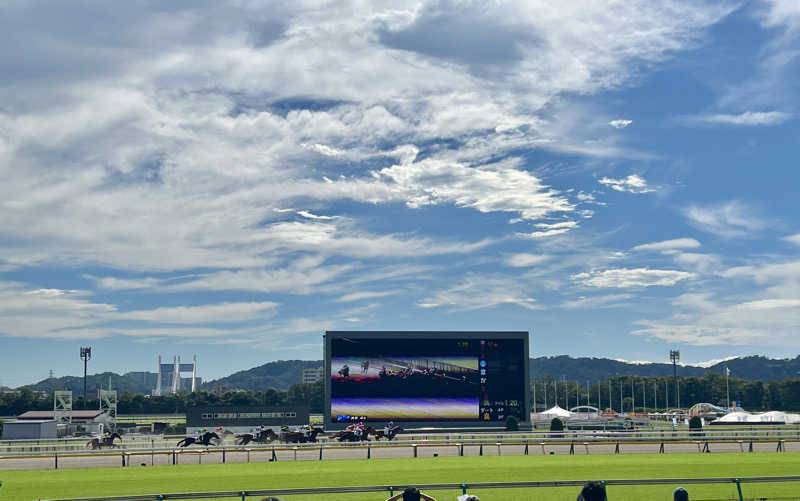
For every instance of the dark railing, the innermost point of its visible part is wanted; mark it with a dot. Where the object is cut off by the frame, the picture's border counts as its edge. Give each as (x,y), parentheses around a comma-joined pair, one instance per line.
(243,495)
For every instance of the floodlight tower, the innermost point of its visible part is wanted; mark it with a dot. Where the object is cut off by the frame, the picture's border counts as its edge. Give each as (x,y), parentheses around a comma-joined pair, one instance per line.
(86,355)
(675,356)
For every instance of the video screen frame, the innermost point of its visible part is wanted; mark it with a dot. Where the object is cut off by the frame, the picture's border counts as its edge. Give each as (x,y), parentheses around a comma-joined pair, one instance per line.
(523,336)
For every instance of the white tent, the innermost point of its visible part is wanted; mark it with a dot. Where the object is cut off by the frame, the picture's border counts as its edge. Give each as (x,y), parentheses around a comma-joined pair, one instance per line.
(556,412)
(736,417)
(766,417)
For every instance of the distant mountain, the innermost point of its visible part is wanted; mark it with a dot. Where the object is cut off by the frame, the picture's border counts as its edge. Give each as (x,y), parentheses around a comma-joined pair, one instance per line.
(596,369)
(133,382)
(282,374)
(279,375)
(754,368)
(760,368)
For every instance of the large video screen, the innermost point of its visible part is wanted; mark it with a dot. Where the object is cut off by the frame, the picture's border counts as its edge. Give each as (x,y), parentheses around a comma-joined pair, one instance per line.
(407,379)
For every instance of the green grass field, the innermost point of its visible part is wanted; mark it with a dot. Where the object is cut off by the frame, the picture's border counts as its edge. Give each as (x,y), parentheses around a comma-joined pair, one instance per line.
(32,485)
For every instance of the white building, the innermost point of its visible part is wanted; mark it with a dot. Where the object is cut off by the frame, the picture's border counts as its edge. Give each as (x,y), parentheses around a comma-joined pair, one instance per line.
(313,375)
(169,380)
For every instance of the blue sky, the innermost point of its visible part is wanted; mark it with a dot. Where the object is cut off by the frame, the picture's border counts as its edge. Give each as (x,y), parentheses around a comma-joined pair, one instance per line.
(229,179)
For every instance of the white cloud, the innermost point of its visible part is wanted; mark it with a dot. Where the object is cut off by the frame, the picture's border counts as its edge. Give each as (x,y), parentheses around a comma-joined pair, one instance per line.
(359,296)
(782,12)
(747,118)
(764,312)
(630,184)
(770,304)
(544,234)
(309,215)
(493,188)
(550,229)
(710,323)
(620,123)
(607,301)
(478,292)
(710,363)
(668,245)
(795,239)
(700,262)
(116,283)
(193,141)
(635,277)
(728,220)
(210,313)
(523,260)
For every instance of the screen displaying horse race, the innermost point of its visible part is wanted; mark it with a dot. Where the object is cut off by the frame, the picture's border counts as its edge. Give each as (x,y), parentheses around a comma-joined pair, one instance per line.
(429,378)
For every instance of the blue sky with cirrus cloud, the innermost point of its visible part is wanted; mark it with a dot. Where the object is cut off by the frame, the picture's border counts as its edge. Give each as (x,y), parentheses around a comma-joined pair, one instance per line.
(231,178)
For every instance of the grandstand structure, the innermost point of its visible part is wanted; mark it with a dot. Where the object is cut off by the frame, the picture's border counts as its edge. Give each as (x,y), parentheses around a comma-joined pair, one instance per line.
(171,378)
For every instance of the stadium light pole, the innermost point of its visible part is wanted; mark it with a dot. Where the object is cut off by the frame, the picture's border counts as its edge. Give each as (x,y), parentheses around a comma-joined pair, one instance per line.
(633,394)
(675,356)
(610,403)
(566,391)
(621,405)
(727,386)
(534,395)
(86,355)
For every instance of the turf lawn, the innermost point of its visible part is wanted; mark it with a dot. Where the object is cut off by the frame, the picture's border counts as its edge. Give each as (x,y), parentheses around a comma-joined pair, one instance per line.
(52,484)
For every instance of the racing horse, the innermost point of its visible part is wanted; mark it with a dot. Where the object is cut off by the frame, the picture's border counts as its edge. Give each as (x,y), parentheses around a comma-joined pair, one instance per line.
(351,436)
(298,437)
(393,432)
(204,439)
(100,442)
(263,437)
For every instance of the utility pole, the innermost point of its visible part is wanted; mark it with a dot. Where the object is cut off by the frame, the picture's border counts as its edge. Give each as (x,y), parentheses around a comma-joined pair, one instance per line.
(555,390)
(566,391)
(655,397)
(545,395)
(644,396)
(610,404)
(534,396)
(621,405)
(86,355)
(675,356)
(633,395)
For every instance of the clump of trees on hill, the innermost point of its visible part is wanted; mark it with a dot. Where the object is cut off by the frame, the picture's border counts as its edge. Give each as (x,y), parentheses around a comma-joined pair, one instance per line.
(15,403)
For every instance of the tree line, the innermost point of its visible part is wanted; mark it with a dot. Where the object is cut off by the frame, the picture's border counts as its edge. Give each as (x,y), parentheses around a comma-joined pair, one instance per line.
(311,395)
(647,394)
(639,393)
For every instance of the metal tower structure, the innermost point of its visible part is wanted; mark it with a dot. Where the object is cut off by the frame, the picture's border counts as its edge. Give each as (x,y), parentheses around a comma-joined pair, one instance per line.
(108,405)
(62,406)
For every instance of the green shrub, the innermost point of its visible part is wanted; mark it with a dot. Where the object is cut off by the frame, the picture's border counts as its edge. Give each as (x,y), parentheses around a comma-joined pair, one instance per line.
(556,425)
(512,424)
(695,423)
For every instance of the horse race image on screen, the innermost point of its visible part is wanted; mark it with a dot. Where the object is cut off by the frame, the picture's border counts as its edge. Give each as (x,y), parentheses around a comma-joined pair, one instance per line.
(425,377)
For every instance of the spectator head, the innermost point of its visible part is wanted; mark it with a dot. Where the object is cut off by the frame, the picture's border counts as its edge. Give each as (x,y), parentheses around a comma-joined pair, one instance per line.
(593,491)
(411,494)
(680,494)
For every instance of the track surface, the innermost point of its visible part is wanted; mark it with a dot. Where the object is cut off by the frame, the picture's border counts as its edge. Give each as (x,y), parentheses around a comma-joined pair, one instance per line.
(211,455)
